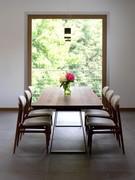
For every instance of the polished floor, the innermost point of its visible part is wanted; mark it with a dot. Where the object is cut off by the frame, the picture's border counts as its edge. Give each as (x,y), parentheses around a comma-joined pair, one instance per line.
(31,162)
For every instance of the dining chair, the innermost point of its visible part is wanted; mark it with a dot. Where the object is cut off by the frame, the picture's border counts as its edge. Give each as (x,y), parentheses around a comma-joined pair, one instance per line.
(31,124)
(111,125)
(104,112)
(35,112)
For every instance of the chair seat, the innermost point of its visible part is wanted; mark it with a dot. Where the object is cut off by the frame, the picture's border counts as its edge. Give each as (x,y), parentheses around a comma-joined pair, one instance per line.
(97,113)
(38,121)
(96,121)
(40,112)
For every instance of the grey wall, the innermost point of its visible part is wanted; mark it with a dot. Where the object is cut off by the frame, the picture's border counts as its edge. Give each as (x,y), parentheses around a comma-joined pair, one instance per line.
(121,42)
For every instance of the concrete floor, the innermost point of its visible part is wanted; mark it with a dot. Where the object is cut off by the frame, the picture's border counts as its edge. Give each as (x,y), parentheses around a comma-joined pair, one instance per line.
(31,162)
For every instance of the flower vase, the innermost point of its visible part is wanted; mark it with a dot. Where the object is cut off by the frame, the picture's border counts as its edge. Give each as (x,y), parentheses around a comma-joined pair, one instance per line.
(67,90)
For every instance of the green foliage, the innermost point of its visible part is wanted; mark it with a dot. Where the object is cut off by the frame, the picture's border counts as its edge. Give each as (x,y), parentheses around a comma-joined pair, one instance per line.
(51,55)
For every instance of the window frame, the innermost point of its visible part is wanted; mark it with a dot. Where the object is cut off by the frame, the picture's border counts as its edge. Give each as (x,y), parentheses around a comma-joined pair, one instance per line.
(77,16)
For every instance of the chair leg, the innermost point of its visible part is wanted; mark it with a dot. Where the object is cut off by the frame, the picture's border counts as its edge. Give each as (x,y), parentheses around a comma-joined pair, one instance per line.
(48,133)
(16,141)
(119,141)
(118,138)
(90,141)
(122,142)
(21,134)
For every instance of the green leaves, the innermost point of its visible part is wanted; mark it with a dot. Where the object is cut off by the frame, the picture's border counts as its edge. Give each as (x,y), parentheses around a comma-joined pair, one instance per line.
(51,55)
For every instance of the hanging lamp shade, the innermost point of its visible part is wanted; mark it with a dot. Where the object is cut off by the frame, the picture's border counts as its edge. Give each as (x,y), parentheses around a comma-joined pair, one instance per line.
(67,34)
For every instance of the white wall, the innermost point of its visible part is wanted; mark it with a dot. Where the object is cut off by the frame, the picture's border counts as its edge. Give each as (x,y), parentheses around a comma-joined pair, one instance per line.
(121,42)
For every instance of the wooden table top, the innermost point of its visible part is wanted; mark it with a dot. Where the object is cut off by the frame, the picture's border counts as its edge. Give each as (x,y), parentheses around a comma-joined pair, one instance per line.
(80,98)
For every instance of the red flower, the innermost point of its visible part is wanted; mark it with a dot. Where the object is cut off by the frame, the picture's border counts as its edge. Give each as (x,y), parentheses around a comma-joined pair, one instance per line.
(66,79)
(70,76)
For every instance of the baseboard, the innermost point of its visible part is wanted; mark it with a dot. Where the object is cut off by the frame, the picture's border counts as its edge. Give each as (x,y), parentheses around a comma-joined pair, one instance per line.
(8,108)
(15,109)
(127,109)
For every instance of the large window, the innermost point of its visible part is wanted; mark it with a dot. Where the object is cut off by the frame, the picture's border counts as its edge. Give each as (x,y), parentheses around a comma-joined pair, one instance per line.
(57,44)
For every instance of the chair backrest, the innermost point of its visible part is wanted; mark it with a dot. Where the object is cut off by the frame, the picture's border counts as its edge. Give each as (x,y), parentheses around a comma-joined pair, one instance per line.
(104,90)
(115,109)
(21,110)
(115,101)
(109,95)
(30,89)
(28,97)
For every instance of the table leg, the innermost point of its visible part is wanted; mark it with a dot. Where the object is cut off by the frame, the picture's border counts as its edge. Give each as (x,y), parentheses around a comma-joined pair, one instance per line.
(83,128)
(81,125)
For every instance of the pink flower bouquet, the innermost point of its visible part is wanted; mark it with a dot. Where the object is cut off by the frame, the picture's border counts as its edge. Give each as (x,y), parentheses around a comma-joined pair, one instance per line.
(65,81)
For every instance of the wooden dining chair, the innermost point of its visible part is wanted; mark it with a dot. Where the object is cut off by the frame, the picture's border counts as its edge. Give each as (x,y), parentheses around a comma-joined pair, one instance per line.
(105,111)
(35,112)
(27,124)
(111,125)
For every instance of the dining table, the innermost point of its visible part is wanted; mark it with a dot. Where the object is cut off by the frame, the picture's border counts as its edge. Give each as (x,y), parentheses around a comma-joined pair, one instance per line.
(81,98)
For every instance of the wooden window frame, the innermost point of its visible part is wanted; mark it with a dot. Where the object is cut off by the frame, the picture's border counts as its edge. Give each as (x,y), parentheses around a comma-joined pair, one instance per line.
(104,39)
